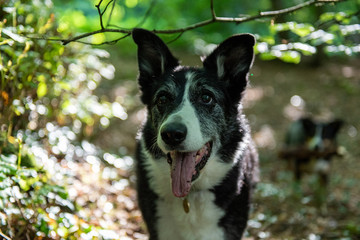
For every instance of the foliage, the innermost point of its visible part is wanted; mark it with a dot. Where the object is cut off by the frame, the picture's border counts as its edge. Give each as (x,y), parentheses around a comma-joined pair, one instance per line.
(322,29)
(335,33)
(48,110)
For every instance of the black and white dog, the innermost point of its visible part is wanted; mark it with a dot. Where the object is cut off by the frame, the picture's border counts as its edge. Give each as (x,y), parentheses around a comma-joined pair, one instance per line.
(196,163)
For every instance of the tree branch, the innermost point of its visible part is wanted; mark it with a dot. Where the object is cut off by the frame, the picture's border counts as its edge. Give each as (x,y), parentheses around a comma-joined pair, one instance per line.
(213,19)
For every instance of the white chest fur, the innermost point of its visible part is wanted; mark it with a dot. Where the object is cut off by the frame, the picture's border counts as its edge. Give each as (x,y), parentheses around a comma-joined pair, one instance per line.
(200,223)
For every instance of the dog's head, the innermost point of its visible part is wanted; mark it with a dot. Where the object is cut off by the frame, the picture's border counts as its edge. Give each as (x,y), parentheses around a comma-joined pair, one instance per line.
(191,111)
(320,135)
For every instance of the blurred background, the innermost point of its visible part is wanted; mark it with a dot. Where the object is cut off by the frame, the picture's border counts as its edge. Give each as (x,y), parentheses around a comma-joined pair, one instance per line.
(69,114)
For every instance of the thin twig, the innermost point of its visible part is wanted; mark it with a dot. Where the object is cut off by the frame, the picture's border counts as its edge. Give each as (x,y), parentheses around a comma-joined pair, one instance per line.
(121,28)
(212,9)
(4,236)
(147,13)
(111,12)
(190,27)
(64,42)
(290,9)
(100,14)
(176,38)
(106,42)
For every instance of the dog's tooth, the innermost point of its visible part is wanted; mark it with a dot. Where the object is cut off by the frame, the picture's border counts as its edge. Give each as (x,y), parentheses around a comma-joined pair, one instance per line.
(168,158)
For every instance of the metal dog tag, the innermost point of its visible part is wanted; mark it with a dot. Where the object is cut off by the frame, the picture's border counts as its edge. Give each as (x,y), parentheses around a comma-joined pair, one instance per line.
(186,205)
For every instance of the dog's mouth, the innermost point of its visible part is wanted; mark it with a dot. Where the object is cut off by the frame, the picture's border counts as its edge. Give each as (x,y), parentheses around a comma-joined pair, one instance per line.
(186,167)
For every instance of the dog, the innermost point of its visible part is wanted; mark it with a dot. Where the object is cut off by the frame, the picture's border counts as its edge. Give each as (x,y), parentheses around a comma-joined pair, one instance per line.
(310,146)
(196,162)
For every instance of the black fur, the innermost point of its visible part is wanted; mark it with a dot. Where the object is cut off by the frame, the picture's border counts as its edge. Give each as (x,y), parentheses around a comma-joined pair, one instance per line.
(146,196)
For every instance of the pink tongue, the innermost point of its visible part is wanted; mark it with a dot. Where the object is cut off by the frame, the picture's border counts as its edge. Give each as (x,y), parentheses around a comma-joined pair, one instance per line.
(182,172)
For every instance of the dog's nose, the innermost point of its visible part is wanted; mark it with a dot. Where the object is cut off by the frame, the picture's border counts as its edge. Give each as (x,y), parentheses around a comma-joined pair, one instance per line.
(174,133)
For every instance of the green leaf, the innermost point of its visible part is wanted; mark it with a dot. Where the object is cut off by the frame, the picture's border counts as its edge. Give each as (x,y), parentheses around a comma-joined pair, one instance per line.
(42,90)
(5,184)
(59,190)
(7,169)
(14,36)
(327,16)
(64,85)
(268,39)
(291,57)
(44,226)
(2,176)
(24,185)
(267,56)
(131,3)
(303,31)
(11,159)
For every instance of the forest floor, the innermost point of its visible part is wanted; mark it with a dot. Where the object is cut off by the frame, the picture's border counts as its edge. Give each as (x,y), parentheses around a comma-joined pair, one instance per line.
(329,91)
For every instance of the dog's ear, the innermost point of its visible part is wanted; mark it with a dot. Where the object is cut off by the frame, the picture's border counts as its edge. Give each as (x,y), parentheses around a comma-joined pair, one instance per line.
(309,126)
(332,128)
(153,55)
(231,61)
(154,58)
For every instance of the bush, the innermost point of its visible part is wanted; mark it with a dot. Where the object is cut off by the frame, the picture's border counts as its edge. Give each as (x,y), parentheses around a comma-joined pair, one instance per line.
(48,110)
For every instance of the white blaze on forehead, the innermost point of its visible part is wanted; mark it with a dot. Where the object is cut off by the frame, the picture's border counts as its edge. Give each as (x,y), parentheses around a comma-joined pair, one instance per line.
(316,141)
(189,78)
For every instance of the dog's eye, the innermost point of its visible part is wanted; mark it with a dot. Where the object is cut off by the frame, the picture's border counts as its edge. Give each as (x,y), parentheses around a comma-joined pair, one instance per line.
(207,99)
(162,100)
